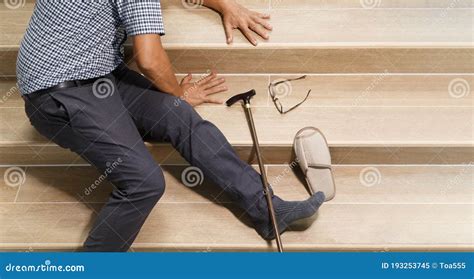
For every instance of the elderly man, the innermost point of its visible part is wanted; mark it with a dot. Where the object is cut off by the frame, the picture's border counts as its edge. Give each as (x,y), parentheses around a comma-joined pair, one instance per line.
(79,94)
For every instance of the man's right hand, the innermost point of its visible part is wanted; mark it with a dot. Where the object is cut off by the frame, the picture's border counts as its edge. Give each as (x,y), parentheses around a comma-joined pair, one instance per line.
(201,91)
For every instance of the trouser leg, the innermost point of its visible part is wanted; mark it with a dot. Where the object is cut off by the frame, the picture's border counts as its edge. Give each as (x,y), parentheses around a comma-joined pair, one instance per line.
(102,132)
(164,118)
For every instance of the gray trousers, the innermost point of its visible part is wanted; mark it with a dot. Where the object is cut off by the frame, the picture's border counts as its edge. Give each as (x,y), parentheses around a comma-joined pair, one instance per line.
(108,128)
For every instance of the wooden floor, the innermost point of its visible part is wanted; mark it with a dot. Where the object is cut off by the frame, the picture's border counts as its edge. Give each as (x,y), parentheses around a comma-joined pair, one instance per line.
(51,211)
(366,117)
(348,40)
(336,27)
(359,116)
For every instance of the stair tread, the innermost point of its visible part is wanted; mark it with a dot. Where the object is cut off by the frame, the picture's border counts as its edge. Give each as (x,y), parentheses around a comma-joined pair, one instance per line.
(320,4)
(354,4)
(413,207)
(360,110)
(330,90)
(428,28)
(372,126)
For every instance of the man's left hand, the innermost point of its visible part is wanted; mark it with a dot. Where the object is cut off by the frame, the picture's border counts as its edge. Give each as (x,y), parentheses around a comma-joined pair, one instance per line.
(250,23)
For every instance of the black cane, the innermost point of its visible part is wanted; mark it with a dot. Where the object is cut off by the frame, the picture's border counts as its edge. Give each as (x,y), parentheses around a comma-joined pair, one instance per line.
(246,97)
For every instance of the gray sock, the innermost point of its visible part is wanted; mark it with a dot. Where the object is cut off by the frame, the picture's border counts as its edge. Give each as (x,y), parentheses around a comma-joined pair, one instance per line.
(286,213)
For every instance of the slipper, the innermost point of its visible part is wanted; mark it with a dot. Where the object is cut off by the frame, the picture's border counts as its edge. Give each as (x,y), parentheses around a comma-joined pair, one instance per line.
(312,153)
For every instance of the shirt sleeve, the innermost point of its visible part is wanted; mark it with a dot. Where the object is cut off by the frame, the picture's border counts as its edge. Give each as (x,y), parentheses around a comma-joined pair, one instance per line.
(141,16)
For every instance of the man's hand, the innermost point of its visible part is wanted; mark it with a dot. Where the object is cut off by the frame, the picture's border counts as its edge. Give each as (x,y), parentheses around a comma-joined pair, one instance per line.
(199,92)
(235,16)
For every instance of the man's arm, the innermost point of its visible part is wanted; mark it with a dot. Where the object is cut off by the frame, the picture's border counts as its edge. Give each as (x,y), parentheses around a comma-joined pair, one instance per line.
(154,63)
(235,16)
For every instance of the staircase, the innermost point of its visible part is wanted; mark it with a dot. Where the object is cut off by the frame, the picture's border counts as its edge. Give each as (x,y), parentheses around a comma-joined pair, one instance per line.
(391,88)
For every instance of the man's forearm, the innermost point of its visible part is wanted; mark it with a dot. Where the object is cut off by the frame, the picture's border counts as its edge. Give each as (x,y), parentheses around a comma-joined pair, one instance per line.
(154,63)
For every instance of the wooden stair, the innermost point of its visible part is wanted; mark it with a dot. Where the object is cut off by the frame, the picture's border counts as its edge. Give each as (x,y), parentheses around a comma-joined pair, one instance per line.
(346,40)
(411,208)
(391,89)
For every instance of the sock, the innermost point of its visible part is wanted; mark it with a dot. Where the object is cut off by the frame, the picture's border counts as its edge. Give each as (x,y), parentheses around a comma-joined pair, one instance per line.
(286,213)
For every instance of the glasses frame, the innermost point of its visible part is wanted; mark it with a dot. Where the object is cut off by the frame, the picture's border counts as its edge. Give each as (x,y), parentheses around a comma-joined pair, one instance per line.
(276,100)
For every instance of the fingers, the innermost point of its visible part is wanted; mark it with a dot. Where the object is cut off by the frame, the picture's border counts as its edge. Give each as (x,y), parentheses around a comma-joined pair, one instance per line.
(214,86)
(187,79)
(257,23)
(262,16)
(213,101)
(260,30)
(228,32)
(213,83)
(210,77)
(249,35)
(263,23)
(216,89)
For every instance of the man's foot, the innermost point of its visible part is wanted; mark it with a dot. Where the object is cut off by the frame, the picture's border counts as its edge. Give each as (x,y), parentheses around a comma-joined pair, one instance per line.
(286,213)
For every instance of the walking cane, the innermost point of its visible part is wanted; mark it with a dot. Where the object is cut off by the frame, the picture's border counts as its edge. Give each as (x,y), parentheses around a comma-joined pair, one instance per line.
(246,97)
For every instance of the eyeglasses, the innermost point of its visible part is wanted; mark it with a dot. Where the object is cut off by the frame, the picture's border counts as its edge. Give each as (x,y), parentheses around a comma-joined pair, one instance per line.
(276,100)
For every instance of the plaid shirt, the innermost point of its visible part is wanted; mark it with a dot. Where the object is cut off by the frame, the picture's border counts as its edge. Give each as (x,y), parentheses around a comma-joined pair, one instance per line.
(75,40)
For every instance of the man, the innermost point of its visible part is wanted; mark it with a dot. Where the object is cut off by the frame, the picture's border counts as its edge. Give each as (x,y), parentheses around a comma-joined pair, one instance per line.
(80,95)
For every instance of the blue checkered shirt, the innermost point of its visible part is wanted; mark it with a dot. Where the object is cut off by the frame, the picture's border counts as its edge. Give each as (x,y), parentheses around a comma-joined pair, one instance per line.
(76,40)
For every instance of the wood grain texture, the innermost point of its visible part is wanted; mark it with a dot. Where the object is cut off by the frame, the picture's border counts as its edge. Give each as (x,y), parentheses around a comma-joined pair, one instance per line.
(384,127)
(412,208)
(212,227)
(347,40)
(357,4)
(303,60)
(314,4)
(392,184)
(355,90)
(50,154)
(310,28)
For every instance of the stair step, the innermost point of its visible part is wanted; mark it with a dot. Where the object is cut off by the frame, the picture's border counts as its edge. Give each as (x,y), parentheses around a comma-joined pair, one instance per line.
(410,208)
(318,4)
(367,119)
(331,90)
(358,4)
(371,126)
(313,41)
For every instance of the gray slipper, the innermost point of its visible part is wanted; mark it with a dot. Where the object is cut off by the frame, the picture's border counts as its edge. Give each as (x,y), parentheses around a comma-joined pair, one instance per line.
(312,153)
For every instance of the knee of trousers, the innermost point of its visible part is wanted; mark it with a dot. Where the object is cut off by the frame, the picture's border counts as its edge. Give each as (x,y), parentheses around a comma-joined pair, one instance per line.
(149,186)
(182,110)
